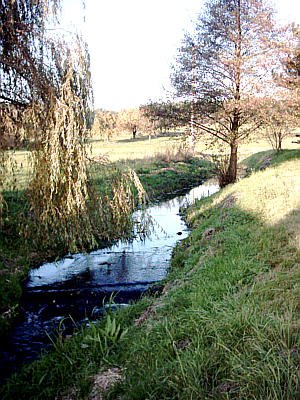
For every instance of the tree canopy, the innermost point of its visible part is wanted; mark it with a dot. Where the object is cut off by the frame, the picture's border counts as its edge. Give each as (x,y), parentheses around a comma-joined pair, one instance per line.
(224,66)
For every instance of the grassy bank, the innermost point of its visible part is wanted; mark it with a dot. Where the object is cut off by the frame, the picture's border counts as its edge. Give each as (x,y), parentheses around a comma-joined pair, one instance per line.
(164,178)
(223,325)
(161,178)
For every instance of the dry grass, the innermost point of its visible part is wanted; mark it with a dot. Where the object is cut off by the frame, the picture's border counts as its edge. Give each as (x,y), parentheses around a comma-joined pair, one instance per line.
(273,195)
(124,148)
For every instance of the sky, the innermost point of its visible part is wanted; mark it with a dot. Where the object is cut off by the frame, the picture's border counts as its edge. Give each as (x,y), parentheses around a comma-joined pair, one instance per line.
(133,43)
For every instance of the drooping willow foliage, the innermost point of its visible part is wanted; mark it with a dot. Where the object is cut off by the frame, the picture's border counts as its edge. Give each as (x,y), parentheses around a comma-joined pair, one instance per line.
(65,208)
(58,192)
(46,100)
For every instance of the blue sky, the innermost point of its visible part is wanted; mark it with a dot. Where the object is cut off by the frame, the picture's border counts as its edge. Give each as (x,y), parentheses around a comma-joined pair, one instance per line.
(133,42)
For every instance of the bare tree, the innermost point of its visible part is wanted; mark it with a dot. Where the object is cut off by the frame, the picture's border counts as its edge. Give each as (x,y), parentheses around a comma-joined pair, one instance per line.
(105,124)
(278,120)
(161,116)
(290,76)
(223,66)
(131,120)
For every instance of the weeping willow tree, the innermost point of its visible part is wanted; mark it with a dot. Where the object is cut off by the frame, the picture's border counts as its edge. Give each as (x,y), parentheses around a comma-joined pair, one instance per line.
(46,97)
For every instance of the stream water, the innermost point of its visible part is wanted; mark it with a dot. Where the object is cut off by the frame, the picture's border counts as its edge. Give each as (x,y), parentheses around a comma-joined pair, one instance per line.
(81,285)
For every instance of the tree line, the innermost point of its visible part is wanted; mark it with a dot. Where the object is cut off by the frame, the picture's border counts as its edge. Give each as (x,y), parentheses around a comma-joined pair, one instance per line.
(149,119)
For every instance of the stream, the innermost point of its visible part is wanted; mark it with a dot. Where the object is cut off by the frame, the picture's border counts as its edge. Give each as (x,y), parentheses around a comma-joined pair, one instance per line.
(81,285)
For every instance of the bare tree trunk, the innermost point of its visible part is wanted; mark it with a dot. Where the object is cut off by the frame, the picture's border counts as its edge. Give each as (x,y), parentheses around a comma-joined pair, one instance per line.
(227,171)
(232,168)
(279,142)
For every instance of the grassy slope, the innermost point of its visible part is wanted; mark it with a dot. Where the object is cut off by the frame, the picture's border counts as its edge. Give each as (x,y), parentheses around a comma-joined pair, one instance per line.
(263,159)
(226,324)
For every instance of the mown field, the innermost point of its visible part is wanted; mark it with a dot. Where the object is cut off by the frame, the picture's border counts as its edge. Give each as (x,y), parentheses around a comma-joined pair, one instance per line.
(124,148)
(223,325)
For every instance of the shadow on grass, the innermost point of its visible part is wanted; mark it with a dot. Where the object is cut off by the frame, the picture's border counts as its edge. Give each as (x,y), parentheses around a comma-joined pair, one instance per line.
(144,138)
(270,158)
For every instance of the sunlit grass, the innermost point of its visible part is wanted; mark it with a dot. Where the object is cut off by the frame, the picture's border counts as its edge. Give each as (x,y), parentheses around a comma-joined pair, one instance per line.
(18,170)
(125,148)
(272,194)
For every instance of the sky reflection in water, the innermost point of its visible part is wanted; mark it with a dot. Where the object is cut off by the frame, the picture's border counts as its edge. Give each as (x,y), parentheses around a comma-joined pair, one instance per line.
(137,262)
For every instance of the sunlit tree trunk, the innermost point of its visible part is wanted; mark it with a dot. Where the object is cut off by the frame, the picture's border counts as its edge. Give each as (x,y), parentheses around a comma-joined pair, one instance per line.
(231,173)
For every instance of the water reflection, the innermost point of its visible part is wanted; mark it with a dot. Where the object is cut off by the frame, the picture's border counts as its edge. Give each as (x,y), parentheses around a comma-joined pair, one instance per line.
(139,261)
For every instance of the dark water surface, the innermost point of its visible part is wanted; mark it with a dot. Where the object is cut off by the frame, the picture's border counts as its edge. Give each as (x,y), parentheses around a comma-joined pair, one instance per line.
(80,285)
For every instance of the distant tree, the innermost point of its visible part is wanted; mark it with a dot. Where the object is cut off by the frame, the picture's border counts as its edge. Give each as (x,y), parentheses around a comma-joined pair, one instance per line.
(105,124)
(130,120)
(277,119)
(290,76)
(223,66)
(159,113)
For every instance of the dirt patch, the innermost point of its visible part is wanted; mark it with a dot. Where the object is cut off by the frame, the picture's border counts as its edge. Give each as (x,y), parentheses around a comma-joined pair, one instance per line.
(103,381)
(265,161)
(208,233)
(183,344)
(227,387)
(149,313)
(230,200)
(71,395)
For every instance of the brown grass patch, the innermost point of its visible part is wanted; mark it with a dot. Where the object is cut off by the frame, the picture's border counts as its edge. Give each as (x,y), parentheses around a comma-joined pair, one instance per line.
(104,381)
